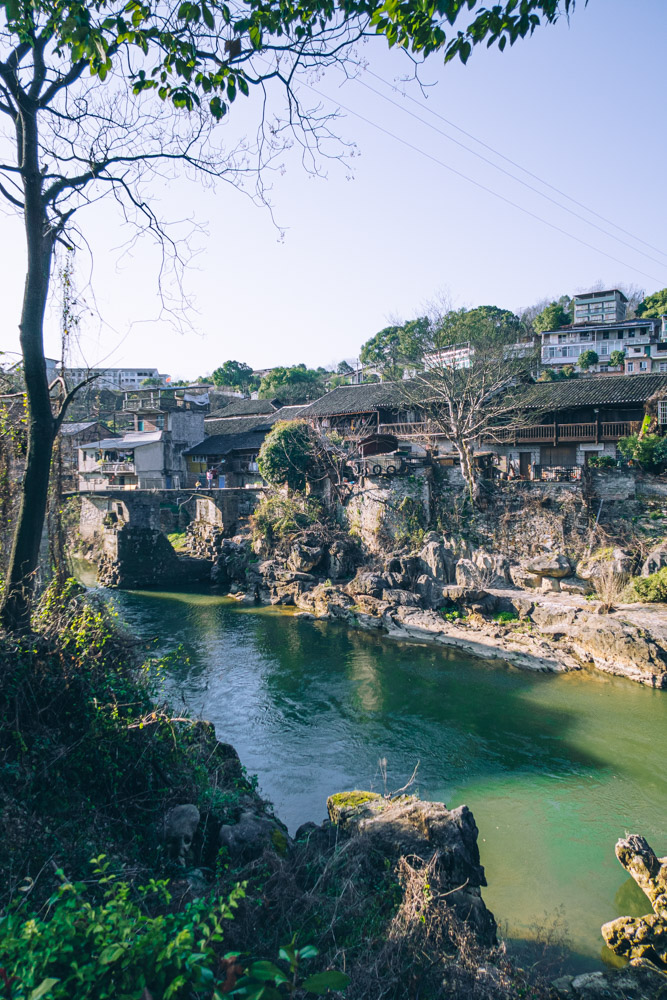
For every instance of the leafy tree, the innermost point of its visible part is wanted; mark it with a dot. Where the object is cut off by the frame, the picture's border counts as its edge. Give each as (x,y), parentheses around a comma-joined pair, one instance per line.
(69,138)
(587,359)
(290,455)
(617,358)
(649,451)
(344,368)
(394,347)
(296,384)
(152,382)
(234,374)
(653,305)
(552,317)
(481,326)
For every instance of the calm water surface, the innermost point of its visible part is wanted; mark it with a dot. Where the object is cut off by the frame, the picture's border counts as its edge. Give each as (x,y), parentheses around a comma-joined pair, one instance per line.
(555,768)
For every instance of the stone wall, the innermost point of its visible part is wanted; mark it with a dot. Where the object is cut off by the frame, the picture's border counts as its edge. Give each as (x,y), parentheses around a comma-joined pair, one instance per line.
(385,512)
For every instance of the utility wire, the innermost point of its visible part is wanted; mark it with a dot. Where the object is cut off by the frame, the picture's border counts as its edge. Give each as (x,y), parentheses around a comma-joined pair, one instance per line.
(478,184)
(496,166)
(513,163)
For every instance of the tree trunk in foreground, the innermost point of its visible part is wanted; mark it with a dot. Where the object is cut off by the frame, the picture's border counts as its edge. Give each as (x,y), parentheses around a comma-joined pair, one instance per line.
(24,558)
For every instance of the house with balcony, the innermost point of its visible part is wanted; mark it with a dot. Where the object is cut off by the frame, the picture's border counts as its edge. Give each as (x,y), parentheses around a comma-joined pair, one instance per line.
(559,425)
(120,379)
(643,343)
(152,456)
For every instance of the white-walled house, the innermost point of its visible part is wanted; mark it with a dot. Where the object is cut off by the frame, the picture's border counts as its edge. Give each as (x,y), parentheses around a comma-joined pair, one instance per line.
(135,461)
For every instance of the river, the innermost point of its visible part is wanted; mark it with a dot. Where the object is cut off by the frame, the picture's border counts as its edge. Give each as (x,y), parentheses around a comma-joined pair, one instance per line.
(554,767)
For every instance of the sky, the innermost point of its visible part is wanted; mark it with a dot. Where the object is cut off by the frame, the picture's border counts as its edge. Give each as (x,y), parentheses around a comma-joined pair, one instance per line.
(411,217)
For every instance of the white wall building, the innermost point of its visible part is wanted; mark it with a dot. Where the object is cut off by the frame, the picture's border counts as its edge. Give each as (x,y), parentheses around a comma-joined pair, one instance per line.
(115,378)
(643,343)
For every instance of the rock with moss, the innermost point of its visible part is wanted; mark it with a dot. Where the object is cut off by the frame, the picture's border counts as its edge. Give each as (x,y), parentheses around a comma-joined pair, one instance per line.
(642,937)
(407,827)
(639,981)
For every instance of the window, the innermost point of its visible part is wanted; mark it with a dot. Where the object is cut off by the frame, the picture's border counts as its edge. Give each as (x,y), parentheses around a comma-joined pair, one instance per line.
(605,335)
(604,349)
(643,366)
(631,333)
(562,337)
(630,367)
(662,366)
(662,411)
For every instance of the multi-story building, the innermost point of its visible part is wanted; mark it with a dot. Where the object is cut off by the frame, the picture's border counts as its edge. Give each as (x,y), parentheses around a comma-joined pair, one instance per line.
(596,307)
(122,379)
(166,423)
(642,342)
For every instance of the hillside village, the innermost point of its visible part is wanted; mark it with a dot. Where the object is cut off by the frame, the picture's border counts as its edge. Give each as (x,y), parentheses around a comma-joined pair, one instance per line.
(592,383)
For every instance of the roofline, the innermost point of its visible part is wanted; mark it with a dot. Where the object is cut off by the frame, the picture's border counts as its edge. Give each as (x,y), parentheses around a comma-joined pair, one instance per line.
(603,291)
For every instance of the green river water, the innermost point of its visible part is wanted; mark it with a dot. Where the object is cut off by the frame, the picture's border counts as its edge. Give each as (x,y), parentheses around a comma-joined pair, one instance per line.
(554,767)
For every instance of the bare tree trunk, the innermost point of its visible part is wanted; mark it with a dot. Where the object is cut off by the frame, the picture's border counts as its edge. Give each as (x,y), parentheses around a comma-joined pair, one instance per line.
(468,468)
(24,558)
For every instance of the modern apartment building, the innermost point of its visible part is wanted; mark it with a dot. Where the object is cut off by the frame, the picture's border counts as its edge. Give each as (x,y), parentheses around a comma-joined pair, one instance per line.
(115,378)
(596,307)
(642,342)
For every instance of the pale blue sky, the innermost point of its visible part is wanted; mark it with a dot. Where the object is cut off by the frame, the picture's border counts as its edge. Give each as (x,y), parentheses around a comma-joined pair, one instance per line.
(580,106)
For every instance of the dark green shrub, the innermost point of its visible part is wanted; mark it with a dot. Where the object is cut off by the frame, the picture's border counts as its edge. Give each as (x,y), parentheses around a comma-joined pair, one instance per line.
(504,617)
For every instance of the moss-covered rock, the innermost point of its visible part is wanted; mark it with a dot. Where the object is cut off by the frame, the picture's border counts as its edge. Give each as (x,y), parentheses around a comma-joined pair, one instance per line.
(343,805)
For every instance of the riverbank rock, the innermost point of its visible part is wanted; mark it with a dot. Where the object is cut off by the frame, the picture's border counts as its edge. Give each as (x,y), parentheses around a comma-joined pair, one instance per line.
(638,981)
(304,558)
(615,560)
(251,835)
(179,829)
(325,601)
(642,937)
(655,560)
(620,648)
(407,827)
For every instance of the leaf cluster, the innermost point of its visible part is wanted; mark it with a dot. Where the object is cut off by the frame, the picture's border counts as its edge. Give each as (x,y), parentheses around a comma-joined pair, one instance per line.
(112,940)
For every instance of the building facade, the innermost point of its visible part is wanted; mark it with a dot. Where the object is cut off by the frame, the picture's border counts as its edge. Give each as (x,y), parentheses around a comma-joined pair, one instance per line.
(642,342)
(600,307)
(121,379)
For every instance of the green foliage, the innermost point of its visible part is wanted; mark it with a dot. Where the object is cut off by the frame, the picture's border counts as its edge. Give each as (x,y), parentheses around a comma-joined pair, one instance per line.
(276,516)
(617,358)
(125,943)
(178,540)
(396,346)
(653,305)
(587,359)
(483,327)
(602,462)
(235,375)
(551,318)
(344,368)
(652,589)
(291,455)
(649,451)
(454,616)
(268,981)
(505,617)
(296,384)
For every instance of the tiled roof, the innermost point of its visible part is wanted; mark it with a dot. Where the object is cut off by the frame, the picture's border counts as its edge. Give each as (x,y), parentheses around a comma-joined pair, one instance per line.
(77,428)
(240,425)
(223,444)
(245,408)
(601,324)
(363,398)
(608,390)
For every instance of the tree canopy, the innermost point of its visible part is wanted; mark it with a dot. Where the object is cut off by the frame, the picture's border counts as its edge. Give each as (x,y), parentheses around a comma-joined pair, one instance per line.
(295,384)
(653,305)
(395,346)
(290,455)
(552,317)
(236,375)
(587,359)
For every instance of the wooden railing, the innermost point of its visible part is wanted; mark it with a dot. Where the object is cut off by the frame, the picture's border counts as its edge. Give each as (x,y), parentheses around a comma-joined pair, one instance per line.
(534,432)
(612,430)
(425,428)
(576,432)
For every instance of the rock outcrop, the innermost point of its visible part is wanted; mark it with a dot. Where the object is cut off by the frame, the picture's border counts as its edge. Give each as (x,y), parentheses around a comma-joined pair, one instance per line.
(642,937)
(407,827)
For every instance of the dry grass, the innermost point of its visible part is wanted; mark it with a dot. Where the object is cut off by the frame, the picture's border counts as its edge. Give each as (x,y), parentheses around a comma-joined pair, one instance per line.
(609,585)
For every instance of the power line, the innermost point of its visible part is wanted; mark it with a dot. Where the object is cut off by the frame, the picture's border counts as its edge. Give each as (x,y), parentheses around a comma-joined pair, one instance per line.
(513,163)
(478,184)
(507,173)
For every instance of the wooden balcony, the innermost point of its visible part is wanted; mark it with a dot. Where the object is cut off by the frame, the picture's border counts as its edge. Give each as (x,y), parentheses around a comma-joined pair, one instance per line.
(583,432)
(612,430)
(116,468)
